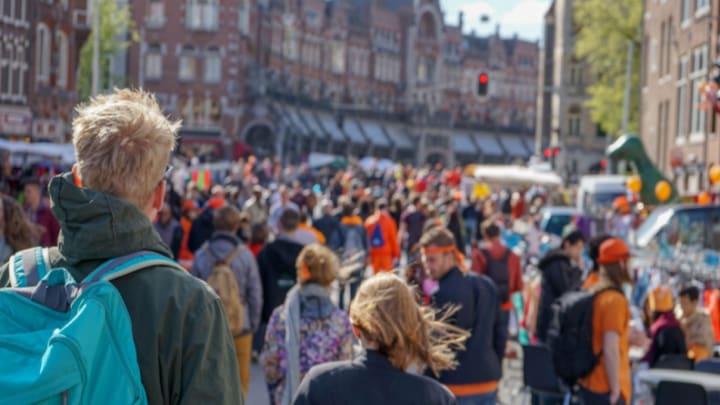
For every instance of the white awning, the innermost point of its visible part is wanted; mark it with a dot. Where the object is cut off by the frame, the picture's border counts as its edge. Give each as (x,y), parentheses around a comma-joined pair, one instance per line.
(375,133)
(514,146)
(462,143)
(297,123)
(330,126)
(312,124)
(489,145)
(400,137)
(352,129)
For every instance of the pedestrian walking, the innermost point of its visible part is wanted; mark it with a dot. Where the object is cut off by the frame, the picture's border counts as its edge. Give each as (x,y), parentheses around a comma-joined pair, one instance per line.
(384,245)
(308,329)
(396,335)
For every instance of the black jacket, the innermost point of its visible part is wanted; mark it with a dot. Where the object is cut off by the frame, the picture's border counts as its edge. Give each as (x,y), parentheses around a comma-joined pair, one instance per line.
(276,262)
(369,379)
(327,224)
(558,277)
(201,230)
(479,313)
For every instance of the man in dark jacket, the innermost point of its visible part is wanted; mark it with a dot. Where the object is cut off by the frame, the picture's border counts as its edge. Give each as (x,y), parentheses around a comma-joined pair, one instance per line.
(328,222)
(476,378)
(560,274)
(351,243)
(105,208)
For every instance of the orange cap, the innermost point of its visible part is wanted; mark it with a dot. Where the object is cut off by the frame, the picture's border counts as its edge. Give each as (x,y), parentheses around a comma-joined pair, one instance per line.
(621,203)
(660,299)
(613,251)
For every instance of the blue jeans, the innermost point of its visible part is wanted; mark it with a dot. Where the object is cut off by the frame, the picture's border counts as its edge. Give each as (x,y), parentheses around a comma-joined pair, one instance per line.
(481,399)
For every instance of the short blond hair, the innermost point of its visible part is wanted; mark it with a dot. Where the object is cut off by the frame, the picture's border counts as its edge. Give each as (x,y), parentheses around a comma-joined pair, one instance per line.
(122,144)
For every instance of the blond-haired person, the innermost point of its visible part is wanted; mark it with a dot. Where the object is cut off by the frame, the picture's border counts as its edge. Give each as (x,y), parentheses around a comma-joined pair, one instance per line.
(105,208)
(308,329)
(397,334)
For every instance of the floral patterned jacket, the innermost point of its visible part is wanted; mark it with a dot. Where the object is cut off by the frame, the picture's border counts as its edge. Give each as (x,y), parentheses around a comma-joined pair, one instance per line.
(321,341)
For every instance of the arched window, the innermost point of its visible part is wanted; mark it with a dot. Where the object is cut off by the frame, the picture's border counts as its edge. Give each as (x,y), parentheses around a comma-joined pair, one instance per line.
(42,53)
(62,59)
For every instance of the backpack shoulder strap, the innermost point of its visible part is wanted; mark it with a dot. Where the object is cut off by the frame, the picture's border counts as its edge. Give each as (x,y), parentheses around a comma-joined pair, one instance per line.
(28,267)
(124,265)
(232,255)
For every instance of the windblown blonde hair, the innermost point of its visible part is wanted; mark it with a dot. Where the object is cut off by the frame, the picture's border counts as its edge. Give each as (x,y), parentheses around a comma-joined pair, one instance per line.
(386,313)
(122,144)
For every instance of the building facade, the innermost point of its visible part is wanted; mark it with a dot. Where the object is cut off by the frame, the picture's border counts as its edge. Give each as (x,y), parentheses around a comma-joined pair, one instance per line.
(563,119)
(348,77)
(679,50)
(15,53)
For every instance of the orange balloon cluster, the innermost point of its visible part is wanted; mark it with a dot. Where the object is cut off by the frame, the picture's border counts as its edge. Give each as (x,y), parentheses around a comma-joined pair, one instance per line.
(634,184)
(663,191)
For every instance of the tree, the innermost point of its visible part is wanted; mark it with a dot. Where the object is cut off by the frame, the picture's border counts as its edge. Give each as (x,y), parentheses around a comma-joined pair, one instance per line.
(116,33)
(604,29)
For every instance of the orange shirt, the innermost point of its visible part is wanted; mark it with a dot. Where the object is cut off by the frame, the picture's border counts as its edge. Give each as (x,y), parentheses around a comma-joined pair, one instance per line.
(591,280)
(611,313)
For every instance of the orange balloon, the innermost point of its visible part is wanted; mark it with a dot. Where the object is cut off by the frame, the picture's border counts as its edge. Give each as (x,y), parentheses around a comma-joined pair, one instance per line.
(634,184)
(715,174)
(704,198)
(663,191)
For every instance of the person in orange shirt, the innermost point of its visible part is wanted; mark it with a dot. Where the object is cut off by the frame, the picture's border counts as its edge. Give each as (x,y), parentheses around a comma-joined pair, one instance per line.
(189,213)
(593,251)
(384,245)
(610,381)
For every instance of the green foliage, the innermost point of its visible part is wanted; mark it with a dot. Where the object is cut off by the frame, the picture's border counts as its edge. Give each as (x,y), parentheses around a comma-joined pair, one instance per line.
(116,33)
(605,27)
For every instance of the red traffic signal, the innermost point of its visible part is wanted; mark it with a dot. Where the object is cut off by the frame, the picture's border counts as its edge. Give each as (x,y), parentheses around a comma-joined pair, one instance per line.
(556,151)
(483,81)
(548,153)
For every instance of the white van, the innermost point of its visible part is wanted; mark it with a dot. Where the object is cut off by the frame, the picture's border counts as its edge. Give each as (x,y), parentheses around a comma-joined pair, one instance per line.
(597,193)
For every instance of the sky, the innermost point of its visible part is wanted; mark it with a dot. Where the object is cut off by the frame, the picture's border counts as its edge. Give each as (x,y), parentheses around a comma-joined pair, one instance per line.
(524,17)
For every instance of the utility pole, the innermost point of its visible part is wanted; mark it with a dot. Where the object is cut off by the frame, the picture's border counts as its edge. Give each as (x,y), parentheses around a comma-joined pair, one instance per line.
(96,48)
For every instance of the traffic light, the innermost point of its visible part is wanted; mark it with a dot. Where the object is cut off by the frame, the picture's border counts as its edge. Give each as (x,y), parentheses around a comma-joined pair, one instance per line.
(483,80)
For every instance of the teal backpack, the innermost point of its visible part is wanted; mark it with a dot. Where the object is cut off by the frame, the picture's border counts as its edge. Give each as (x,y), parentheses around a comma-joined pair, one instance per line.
(64,342)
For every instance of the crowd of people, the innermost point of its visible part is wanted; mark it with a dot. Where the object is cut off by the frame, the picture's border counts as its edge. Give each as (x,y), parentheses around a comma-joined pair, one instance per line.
(347,286)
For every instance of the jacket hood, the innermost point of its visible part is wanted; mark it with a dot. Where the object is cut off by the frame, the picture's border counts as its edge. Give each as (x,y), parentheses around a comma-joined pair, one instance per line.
(221,244)
(99,226)
(551,257)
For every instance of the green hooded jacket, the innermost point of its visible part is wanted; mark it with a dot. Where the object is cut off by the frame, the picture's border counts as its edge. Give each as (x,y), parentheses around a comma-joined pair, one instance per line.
(184,346)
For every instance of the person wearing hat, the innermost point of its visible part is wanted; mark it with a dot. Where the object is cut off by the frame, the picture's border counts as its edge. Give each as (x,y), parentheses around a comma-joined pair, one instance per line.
(255,208)
(621,222)
(610,381)
(666,334)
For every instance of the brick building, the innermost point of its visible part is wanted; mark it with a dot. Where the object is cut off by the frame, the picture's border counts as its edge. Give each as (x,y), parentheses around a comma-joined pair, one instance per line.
(347,77)
(15,52)
(680,45)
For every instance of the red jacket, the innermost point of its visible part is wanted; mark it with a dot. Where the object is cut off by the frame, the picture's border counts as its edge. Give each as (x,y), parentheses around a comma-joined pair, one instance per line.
(497,250)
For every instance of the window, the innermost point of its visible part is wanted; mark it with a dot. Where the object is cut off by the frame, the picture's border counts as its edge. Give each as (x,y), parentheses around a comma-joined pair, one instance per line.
(338,58)
(153,63)
(15,72)
(22,69)
(23,10)
(699,69)
(663,30)
(156,16)
(574,120)
(5,69)
(682,98)
(62,59)
(290,46)
(668,44)
(684,10)
(187,64)
(701,7)
(42,53)
(212,66)
(202,15)
(244,17)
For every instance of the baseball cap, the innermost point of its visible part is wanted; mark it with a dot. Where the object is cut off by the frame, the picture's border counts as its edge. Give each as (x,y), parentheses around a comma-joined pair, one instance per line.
(613,251)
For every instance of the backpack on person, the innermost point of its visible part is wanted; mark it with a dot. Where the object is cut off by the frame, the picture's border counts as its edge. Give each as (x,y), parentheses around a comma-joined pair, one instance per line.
(497,271)
(223,281)
(69,342)
(570,335)
(377,240)
(354,246)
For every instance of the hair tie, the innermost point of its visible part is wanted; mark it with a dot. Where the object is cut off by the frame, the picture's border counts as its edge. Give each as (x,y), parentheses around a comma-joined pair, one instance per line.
(305,274)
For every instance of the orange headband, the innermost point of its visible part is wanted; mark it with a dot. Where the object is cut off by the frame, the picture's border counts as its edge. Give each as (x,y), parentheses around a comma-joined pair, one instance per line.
(305,274)
(447,249)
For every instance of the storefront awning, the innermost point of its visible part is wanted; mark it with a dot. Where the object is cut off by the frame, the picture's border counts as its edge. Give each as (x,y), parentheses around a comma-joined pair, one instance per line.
(489,145)
(353,131)
(462,143)
(375,133)
(330,126)
(312,124)
(514,146)
(297,123)
(400,137)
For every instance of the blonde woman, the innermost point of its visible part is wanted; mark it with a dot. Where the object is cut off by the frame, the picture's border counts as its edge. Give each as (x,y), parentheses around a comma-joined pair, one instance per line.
(308,329)
(397,335)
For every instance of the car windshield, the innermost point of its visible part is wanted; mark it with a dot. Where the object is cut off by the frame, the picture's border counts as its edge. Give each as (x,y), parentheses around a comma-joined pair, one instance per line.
(555,223)
(652,225)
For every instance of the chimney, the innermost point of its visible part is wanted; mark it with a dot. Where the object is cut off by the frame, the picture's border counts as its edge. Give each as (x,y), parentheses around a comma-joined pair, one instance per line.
(461,20)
